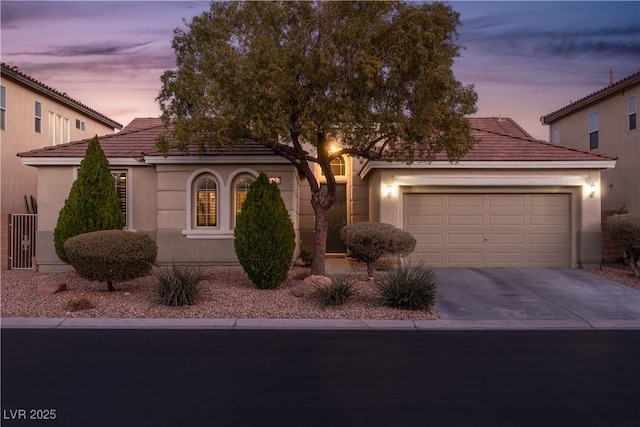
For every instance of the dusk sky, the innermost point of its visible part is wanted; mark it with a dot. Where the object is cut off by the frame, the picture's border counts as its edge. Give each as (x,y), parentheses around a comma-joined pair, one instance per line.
(526,59)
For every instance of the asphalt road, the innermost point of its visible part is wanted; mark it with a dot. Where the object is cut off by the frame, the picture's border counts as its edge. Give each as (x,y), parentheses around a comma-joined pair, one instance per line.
(320,378)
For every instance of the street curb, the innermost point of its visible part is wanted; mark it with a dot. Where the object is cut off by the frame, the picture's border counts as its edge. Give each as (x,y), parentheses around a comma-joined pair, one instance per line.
(316,324)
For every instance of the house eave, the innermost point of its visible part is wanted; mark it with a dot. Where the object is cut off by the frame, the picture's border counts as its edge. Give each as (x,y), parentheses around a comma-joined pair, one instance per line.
(567,164)
(75,161)
(221,159)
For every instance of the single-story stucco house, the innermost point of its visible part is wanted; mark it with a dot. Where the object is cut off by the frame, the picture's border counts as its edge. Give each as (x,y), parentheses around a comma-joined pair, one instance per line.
(511,201)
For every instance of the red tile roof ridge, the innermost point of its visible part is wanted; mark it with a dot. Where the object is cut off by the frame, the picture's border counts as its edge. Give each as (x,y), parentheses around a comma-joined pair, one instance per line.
(16,70)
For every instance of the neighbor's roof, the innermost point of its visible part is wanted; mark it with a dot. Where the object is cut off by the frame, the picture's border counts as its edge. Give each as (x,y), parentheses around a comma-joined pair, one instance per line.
(18,76)
(632,80)
(137,141)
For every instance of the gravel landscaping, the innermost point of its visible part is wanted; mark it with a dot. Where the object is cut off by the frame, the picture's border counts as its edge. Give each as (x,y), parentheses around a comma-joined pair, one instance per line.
(227,294)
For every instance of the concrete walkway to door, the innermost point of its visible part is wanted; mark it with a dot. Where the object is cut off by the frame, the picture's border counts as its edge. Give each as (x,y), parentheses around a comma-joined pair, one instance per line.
(547,296)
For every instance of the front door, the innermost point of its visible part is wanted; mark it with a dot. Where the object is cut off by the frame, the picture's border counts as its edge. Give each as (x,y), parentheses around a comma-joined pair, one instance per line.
(337,219)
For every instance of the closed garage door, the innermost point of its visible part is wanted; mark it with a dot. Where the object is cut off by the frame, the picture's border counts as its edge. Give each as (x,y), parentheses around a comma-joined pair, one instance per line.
(490,230)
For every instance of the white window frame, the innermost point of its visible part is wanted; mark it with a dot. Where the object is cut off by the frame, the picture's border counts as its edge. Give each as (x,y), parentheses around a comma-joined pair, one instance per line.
(81,125)
(38,117)
(594,127)
(3,108)
(59,129)
(633,113)
(234,181)
(555,135)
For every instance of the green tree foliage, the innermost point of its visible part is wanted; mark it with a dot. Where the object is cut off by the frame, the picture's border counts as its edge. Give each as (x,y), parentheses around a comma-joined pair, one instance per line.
(93,202)
(625,231)
(371,240)
(264,235)
(293,76)
(111,255)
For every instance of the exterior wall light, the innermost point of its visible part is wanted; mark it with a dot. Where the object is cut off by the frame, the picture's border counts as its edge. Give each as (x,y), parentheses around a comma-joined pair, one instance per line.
(389,191)
(592,190)
(275,179)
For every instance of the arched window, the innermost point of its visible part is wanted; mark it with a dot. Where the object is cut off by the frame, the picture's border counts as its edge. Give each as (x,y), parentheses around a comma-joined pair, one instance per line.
(206,201)
(338,166)
(240,190)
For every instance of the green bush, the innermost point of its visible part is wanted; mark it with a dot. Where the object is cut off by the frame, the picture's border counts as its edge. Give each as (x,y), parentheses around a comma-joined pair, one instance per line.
(337,293)
(306,254)
(625,232)
(93,202)
(409,287)
(369,241)
(111,255)
(264,235)
(178,285)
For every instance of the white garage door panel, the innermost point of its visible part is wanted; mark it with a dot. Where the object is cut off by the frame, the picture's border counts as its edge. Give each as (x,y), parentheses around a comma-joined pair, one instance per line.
(490,229)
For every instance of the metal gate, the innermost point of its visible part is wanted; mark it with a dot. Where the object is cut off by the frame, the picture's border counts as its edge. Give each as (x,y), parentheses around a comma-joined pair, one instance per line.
(23,240)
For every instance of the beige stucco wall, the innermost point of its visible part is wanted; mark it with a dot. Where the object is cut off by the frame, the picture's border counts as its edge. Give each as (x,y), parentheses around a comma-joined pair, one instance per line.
(619,185)
(20,135)
(387,186)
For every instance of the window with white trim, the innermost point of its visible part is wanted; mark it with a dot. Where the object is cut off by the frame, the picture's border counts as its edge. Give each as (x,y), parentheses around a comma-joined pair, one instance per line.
(38,117)
(593,130)
(120,182)
(240,191)
(3,108)
(80,125)
(59,129)
(206,201)
(338,166)
(633,112)
(555,135)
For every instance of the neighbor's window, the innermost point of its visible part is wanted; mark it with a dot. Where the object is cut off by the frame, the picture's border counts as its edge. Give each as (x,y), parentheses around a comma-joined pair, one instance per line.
(593,131)
(555,135)
(3,108)
(38,117)
(633,112)
(80,124)
(206,198)
(120,181)
(59,129)
(240,191)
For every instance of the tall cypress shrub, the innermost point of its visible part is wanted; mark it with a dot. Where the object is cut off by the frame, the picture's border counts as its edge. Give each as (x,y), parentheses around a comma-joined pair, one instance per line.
(264,235)
(93,202)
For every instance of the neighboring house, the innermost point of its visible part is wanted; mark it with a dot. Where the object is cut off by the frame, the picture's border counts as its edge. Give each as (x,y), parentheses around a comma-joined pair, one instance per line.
(33,115)
(606,121)
(511,201)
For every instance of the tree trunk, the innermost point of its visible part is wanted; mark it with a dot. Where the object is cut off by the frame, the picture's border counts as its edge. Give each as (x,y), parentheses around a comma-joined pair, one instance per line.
(320,239)
(110,286)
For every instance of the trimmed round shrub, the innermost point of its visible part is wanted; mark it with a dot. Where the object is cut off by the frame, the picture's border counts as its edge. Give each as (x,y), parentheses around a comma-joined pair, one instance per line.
(111,255)
(93,202)
(264,235)
(624,230)
(369,241)
(408,287)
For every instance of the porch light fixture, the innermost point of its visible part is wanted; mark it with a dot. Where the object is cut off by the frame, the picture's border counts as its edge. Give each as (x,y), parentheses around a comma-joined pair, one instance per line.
(275,179)
(592,190)
(389,190)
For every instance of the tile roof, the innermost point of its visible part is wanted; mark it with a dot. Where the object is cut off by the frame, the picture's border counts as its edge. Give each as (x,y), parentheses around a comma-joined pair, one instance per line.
(138,139)
(14,73)
(632,80)
(498,139)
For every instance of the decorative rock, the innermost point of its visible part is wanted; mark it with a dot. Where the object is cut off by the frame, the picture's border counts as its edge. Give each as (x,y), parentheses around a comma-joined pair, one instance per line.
(51,288)
(309,285)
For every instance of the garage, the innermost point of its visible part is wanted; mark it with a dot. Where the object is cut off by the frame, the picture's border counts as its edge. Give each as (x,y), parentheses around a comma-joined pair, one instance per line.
(490,229)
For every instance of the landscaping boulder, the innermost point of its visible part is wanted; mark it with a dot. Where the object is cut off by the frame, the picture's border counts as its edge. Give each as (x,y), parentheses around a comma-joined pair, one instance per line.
(51,288)
(308,285)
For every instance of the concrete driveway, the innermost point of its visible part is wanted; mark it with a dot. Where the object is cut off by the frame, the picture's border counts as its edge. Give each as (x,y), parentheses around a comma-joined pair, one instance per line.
(570,297)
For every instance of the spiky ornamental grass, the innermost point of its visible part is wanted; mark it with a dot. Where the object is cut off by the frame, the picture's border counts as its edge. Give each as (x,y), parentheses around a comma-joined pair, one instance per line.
(337,293)
(178,285)
(408,287)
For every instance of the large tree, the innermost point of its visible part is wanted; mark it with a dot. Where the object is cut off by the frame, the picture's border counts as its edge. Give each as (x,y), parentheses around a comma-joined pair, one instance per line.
(294,76)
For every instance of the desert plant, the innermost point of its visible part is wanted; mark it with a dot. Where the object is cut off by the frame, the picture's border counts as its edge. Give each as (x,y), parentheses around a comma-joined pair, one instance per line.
(79,304)
(337,293)
(306,254)
(178,285)
(93,202)
(264,235)
(625,232)
(111,255)
(410,287)
(369,241)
